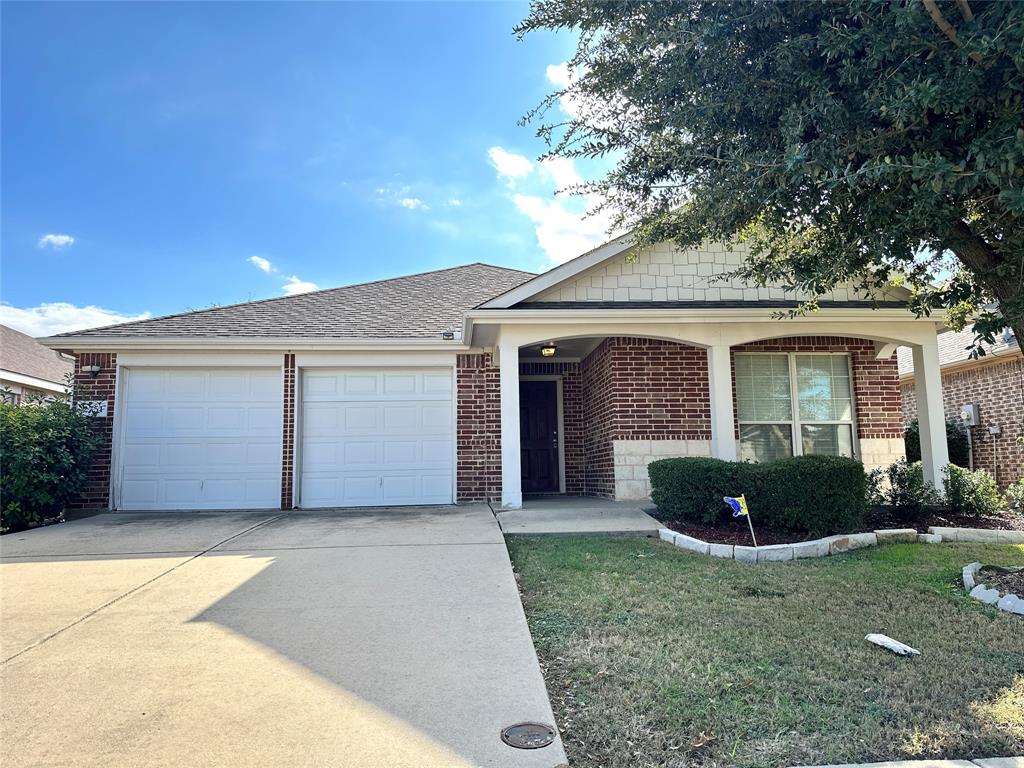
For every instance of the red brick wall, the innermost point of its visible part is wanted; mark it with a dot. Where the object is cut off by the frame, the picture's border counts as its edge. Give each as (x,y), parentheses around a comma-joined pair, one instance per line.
(661,390)
(997,386)
(97,488)
(288,433)
(596,373)
(478,429)
(876,385)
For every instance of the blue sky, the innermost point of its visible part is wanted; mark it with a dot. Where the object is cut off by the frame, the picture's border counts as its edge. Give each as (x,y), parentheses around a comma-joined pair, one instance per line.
(161,157)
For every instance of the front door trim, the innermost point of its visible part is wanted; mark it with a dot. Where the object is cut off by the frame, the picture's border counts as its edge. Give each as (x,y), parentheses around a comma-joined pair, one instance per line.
(557,378)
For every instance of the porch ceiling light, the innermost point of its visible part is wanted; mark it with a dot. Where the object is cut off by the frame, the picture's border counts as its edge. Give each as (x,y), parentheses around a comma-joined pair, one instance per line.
(548,350)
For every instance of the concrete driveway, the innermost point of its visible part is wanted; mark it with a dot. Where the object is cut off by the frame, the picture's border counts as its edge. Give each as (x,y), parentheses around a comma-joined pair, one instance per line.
(338,638)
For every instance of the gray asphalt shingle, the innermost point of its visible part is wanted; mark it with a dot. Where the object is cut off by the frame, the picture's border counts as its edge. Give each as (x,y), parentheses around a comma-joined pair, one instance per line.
(417,306)
(953,348)
(22,354)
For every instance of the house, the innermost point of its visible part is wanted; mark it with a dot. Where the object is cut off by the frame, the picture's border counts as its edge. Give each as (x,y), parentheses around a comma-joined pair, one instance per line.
(28,369)
(484,383)
(994,383)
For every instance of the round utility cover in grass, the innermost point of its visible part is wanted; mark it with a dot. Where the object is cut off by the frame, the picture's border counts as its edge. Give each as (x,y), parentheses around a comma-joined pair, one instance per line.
(528,735)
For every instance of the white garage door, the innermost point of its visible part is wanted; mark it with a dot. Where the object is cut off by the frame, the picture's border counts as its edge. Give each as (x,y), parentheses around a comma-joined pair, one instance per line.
(376,437)
(201,439)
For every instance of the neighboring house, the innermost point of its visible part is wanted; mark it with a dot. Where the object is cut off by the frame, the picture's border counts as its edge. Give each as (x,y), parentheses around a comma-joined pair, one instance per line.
(483,383)
(29,369)
(995,383)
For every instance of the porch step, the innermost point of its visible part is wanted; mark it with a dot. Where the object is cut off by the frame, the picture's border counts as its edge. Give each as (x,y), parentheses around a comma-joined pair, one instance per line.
(576,516)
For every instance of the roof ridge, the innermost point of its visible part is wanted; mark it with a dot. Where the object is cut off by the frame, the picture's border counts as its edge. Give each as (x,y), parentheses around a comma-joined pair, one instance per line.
(297,295)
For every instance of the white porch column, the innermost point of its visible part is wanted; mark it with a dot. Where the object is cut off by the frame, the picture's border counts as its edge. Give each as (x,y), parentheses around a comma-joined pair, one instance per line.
(511,472)
(930,413)
(723,429)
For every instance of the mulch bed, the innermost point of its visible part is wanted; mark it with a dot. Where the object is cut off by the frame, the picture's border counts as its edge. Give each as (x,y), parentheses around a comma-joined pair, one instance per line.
(882,517)
(1004,579)
(737,532)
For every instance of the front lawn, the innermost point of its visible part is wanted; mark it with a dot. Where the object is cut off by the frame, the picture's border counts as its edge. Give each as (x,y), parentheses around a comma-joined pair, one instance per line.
(658,657)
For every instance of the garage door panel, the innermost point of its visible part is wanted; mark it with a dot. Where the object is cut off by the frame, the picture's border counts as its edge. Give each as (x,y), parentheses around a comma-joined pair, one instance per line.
(202,440)
(384,435)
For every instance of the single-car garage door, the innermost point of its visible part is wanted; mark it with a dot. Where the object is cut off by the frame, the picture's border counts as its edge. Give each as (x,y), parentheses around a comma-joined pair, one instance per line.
(201,439)
(376,437)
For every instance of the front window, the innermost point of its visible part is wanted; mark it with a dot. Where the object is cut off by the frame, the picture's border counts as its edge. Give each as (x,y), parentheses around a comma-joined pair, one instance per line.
(793,403)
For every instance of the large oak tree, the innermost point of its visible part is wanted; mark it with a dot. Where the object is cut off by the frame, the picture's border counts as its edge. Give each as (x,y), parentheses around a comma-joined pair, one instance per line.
(878,142)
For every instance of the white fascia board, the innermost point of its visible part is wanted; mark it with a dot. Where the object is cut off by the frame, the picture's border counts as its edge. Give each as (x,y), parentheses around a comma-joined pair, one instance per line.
(695,315)
(150,343)
(208,359)
(560,273)
(377,358)
(31,381)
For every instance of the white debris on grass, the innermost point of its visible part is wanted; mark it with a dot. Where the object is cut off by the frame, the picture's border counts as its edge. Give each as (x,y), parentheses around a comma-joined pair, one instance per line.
(892,645)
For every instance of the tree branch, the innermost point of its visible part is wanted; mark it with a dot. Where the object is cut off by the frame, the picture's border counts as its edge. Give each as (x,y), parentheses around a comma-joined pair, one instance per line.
(948,29)
(965,10)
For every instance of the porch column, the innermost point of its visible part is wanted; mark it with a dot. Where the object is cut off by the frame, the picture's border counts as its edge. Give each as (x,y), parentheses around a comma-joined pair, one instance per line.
(930,412)
(511,472)
(723,428)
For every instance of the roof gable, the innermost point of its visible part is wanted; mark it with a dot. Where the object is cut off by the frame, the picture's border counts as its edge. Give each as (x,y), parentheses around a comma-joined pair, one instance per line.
(664,274)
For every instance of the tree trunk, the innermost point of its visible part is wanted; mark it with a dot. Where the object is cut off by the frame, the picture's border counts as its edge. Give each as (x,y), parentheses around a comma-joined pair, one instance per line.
(984,262)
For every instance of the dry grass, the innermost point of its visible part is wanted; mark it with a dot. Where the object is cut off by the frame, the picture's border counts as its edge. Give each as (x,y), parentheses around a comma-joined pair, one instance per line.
(656,657)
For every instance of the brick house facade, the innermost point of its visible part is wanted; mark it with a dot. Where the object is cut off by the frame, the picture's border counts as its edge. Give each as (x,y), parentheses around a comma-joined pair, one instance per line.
(996,384)
(407,391)
(633,400)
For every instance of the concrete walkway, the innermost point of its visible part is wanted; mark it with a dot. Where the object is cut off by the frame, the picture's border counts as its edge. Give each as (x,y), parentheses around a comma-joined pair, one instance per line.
(578,515)
(378,638)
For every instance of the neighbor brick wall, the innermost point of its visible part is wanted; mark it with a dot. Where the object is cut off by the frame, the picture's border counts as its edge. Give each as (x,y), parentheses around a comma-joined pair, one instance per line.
(96,493)
(875,382)
(478,429)
(288,433)
(997,386)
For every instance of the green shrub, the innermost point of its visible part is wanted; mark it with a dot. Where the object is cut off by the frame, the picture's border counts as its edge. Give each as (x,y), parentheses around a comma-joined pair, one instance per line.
(46,448)
(956,442)
(902,486)
(972,493)
(1015,496)
(811,494)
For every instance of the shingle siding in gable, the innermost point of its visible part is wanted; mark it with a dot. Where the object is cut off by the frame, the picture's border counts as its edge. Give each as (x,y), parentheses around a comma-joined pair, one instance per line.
(664,273)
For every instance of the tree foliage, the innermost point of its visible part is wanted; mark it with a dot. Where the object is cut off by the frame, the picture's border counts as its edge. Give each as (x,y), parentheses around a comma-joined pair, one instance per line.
(870,142)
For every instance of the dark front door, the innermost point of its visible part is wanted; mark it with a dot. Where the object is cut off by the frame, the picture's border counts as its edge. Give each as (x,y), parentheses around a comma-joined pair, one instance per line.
(538,434)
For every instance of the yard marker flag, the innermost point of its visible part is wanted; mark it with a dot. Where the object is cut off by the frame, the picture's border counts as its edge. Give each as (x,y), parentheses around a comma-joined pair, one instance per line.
(739,509)
(739,505)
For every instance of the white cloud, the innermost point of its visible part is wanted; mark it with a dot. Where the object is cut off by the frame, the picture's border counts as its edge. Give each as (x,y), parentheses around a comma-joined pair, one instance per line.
(56,242)
(561,233)
(296,286)
(509,165)
(562,171)
(558,74)
(61,317)
(412,203)
(454,203)
(262,263)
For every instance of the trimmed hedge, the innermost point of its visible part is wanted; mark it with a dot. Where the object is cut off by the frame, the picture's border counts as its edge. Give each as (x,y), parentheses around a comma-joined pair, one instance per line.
(820,495)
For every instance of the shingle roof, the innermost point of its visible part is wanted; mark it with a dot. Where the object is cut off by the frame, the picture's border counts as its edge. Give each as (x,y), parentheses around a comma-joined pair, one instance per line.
(953,348)
(417,306)
(23,354)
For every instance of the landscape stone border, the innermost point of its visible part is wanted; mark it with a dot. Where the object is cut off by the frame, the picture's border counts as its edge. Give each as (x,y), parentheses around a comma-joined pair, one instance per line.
(833,545)
(1006,602)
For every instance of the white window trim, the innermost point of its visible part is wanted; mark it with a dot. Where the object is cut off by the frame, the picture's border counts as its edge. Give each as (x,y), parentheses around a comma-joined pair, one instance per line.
(794,401)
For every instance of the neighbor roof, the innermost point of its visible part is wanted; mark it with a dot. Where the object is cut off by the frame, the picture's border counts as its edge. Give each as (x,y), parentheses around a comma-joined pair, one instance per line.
(22,354)
(420,306)
(954,348)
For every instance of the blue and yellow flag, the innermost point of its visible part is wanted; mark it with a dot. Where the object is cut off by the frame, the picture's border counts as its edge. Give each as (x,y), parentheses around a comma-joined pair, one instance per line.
(739,505)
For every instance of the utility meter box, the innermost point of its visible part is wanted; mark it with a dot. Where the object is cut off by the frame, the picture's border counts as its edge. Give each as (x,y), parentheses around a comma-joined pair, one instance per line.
(969,414)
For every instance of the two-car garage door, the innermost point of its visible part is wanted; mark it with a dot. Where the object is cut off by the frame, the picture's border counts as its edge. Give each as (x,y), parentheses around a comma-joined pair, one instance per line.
(195,438)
